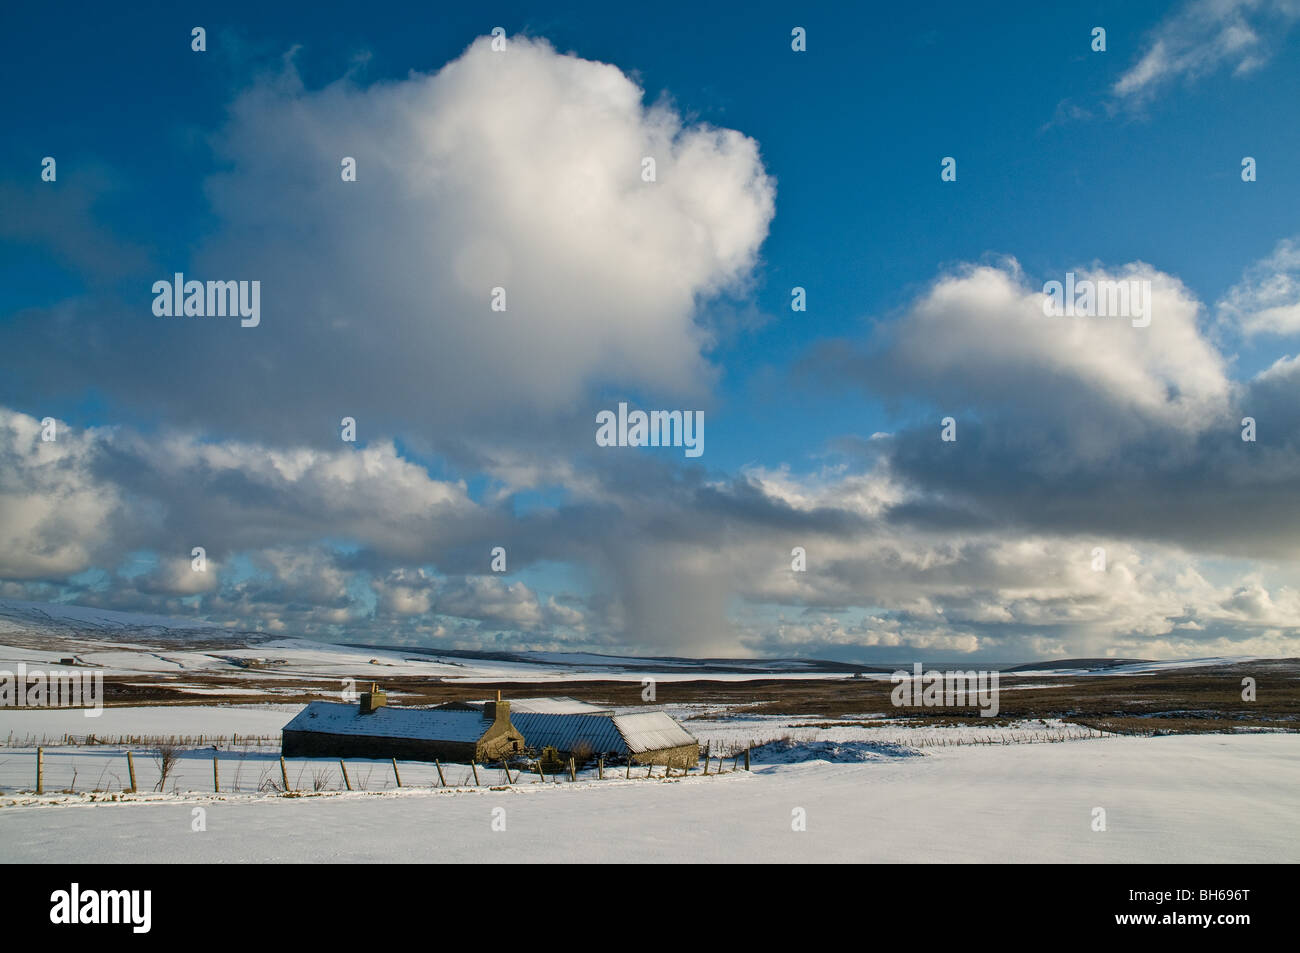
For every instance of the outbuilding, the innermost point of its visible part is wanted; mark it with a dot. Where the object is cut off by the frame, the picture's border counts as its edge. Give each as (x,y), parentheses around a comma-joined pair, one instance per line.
(644,737)
(585,731)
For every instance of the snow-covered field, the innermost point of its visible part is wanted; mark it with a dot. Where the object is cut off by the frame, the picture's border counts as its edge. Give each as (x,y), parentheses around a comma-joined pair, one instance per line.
(208,720)
(1220,798)
(711,724)
(303,659)
(883,791)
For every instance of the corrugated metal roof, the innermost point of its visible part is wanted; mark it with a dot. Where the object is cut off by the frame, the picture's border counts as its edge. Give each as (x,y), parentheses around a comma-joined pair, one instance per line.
(604,733)
(425,724)
(650,731)
(569,732)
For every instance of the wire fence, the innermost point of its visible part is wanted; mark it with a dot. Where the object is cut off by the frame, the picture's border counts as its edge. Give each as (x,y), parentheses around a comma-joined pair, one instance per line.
(171,768)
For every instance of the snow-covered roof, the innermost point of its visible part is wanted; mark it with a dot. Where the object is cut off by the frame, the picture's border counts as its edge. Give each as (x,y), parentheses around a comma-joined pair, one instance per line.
(650,731)
(425,724)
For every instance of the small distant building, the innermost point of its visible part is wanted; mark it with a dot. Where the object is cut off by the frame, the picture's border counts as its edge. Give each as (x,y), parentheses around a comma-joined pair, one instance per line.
(555,705)
(373,730)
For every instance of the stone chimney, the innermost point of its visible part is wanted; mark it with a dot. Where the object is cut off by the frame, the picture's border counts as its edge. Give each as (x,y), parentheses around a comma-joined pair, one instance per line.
(497,710)
(373,699)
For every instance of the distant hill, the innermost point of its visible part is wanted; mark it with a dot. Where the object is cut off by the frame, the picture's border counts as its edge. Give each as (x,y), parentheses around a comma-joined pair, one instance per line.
(1087,664)
(55,618)
(674,663)
(43,624)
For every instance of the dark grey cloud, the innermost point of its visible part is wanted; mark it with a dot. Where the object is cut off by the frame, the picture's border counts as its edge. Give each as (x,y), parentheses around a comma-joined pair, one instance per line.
(1078,426)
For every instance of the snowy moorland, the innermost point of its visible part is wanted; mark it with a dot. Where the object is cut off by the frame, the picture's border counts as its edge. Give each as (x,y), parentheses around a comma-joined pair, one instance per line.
(862,783)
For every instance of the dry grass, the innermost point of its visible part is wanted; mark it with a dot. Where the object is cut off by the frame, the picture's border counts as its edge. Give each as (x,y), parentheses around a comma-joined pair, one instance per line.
(165,757)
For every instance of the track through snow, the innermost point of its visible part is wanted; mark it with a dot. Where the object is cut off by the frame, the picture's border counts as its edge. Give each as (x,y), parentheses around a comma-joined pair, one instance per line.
(1218,798)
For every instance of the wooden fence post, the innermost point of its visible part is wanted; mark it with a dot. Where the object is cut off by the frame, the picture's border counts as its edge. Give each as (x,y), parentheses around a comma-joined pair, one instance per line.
(440,777)
(216,776)
(506,768)
(130,767)
(40,770)
(347,782)
(474,767)
(600,769)
(398,776)
(573,770)
(284,775)
(746,759)
(629,767)
(540,773)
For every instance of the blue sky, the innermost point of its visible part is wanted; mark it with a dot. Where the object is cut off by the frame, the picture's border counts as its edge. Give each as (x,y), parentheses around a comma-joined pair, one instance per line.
(1057,168)
(852,132)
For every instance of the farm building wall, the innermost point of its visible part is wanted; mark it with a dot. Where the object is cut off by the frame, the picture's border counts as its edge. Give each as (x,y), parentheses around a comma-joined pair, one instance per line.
(680,757)
(316,744)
